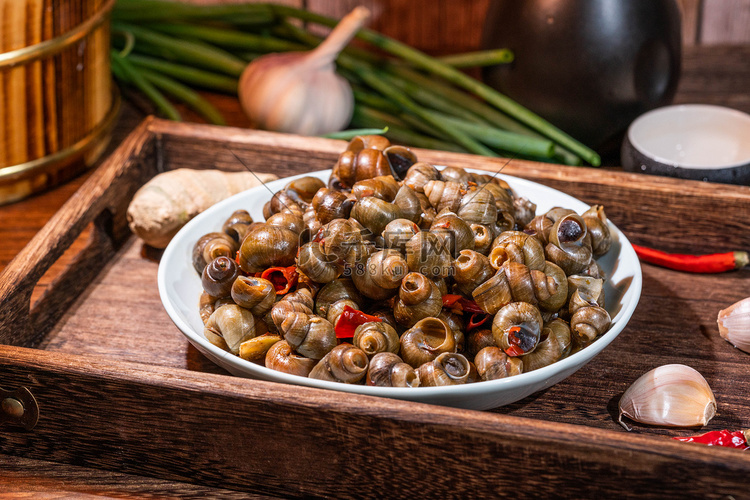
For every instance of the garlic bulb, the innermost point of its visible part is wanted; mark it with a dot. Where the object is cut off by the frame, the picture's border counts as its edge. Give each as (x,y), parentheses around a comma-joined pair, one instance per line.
(734,324)
(670,395)
(300,92)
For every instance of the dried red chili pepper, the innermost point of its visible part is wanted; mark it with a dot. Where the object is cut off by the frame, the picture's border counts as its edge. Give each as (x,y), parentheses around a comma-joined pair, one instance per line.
(476,320)
(514,349)
(349,320)
(736,439)
(461,304)
(282,278)
(707,263)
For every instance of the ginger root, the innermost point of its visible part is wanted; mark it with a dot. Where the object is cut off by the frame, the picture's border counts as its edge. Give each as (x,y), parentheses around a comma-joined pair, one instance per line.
(165,203)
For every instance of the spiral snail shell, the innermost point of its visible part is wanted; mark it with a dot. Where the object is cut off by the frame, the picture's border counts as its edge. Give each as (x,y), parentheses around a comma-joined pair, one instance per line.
(455,234)
(309,335)
(384,187)
(210,246)
(478,340)
(426,254)
(587,323)
(229,326)
(443,195)
(303,189)
(268,246)
(420,174)
(256,294)
(218,276)
(375,337)
(516,246)
(483,238)
(409,203)
(336,290)
(418,298)
(281,357)
(388,370)
(318,266)
(425,341)
(493,363)
(206,306)
(449,368)
(330,205)
(397,233)
(554,345)
(237,225)
(517,328)
(298,301)
(598,230)
(569,246)
(387,268)
(344,363)
(584,291)
(288,220)
(470,270)
(362,159)
(559,292)
(524,211)
(514,282)
(478,207)
(375,214)
(455,174)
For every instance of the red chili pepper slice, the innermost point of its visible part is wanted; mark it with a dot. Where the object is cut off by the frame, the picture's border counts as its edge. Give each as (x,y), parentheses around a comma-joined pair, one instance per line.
(282,278)
(514,349)
(708,263)
(736,439)
(349,320)
(461,304)
(476,320)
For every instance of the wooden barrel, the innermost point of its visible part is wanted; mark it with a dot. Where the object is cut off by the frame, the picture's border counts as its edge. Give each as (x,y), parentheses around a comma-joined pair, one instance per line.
(57,101)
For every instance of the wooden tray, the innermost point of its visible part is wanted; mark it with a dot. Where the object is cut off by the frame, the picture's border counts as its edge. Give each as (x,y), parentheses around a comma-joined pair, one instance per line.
(119,388)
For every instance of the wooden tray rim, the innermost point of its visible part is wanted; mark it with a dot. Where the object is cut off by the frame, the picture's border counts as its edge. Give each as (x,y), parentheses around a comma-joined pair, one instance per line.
(504,427)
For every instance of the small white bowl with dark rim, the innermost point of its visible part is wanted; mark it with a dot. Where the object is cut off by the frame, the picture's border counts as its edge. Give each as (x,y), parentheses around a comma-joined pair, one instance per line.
(690,141)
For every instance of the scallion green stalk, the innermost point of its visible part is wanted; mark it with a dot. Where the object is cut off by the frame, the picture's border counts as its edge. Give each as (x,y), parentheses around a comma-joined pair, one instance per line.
(187,74)
(372,79)
(186,95)
(507,141)
(479,58)
(131,75)
(457,78)
(200,54)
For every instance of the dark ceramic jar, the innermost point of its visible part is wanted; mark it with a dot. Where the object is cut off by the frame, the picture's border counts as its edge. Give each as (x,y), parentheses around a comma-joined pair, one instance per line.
(588,66)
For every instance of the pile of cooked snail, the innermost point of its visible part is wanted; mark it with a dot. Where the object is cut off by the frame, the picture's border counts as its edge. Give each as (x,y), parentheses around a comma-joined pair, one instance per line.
(399,274)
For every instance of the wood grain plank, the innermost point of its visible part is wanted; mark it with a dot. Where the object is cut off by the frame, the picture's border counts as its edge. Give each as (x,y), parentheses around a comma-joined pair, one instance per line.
(109,188)
(725,21)
(691,11)
(156,422)
(436,27)
(37,479)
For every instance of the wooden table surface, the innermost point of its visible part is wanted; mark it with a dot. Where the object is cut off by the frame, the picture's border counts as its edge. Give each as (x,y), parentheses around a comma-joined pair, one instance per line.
(711,74)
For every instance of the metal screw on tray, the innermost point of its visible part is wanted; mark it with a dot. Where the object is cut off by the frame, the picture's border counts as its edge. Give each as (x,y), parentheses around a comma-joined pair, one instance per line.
(12,407)
(19,407)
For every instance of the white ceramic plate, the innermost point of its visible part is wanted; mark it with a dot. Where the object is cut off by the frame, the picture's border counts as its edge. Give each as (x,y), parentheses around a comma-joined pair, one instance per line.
(180,289)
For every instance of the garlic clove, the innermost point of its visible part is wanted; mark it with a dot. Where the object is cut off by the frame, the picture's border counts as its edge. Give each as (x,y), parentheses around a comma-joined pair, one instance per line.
(670,395)
(734,324)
